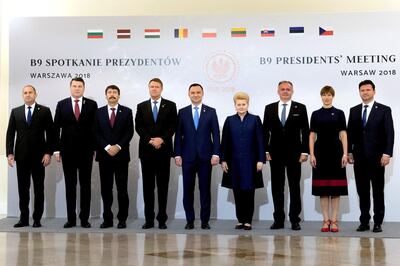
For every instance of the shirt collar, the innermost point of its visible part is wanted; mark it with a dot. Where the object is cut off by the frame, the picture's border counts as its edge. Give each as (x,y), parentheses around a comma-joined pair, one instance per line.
(80,99)
(33,106)
(287,103)
(109,107)
(370,104)
(200,105)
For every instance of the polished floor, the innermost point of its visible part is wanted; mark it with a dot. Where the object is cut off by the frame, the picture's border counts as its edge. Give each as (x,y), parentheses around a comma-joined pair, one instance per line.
(37,248)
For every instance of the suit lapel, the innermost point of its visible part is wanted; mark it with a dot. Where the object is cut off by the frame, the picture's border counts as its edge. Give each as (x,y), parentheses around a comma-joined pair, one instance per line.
(203,112)
(35,112)
(118,115)
(275,113)
(372,114)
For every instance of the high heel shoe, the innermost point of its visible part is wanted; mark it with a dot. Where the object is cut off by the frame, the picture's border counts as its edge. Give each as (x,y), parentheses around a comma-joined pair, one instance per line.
(326,226)
(334,226)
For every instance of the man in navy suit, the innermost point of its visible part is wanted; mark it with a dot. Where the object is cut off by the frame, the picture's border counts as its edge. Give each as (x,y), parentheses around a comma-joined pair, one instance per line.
(197,143)
(155,123)
(114,131)
(75,119)
(286,132)
(33,124)
(371,139)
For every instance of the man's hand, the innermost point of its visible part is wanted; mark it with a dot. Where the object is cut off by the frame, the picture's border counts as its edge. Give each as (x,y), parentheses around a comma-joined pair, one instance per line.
(303,158)
(259,166)
(224,167)
(350,158)
(10,160)
(178,161)
(57,157)
(268,157)
(156,142)
(385,160)
(113,150)
(46,160)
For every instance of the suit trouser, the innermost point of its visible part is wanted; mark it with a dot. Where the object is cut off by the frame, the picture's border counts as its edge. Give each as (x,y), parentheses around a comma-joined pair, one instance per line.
(293,171)
(109,169)
(155,171)
(366,173)
(244,204)
(24,171)
(71,167)
(203,170)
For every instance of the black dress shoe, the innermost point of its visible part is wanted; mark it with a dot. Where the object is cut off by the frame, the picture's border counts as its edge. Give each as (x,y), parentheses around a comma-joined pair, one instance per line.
(377,228)
(85,224)
(189,226)
(247,226)
(36,224)
(239,226)
(106,225)
(121,225)
(147,225)
(21,224)
(363,227)
(69,224)
(277,225)
(296,226)
(205,226)
(162,226)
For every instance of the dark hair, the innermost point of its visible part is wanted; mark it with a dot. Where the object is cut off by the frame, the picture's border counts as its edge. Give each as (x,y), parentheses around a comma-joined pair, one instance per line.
(285,81)
(156,80)
(366,82)
(30,86)
(327,90)
(112,87)
(194,85)
(78,79)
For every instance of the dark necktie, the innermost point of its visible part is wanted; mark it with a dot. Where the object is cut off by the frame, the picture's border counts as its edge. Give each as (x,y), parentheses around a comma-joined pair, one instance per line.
(155,111)
(364,115)
(112,117)
(29,116)
(283,114)
(196,117)
(77,112)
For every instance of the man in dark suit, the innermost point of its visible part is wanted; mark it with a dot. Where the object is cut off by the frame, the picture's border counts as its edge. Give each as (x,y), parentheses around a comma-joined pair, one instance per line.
(155,123)
(33,124)
(197,144)
(114,131)
(371,139)
(286,132)
(75,119)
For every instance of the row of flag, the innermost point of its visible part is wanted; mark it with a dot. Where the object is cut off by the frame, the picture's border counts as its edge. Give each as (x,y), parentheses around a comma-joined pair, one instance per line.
(205,33)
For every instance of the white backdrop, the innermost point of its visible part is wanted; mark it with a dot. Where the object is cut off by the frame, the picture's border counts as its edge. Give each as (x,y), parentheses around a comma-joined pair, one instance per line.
(48,52)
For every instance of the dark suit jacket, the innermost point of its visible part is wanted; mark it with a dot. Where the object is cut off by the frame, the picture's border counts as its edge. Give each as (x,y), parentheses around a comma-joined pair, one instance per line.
(121,133)
(163,128)
(287,141)
(242,147)
(77,137)
(378,136)
(203,142)
(32,141)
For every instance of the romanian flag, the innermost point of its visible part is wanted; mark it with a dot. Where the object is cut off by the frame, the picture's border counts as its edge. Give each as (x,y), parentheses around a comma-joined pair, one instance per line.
(95,34)
(325,32)
(296,30)
(152,33)
(238,32)
(181,33)
(267,33)
(209,33)
(123,33)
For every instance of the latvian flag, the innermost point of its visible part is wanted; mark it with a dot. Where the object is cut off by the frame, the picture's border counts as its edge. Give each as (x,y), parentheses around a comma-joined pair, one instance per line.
(325,32)
(238,32)
(267,33)
(181,33)
(151,33)
(123,33)
(95,34)
(296,30)
(209,33)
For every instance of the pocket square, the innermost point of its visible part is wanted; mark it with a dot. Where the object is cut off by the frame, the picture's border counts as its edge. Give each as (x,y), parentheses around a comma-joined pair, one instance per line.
(296,114)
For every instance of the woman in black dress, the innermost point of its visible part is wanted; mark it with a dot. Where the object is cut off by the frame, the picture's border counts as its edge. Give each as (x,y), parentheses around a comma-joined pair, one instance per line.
(328,157)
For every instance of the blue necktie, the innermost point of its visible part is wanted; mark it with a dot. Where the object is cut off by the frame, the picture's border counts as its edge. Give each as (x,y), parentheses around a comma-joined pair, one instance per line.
(364,115)
(283,114)
(196,117)
(155,111)
(29,116)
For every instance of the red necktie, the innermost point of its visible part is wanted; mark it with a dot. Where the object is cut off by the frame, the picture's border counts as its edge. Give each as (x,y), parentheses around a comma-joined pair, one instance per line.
(77,111)
(112,117)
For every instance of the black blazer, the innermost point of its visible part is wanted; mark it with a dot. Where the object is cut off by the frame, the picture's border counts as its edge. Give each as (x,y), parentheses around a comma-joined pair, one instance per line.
(77,137)
(287,141)
(163,128)
(120,134)
(203,142)
(376,138)
(33,141)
